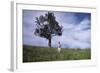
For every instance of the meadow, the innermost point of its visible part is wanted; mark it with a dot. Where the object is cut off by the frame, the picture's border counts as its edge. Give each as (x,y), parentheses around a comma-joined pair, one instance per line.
(40,54)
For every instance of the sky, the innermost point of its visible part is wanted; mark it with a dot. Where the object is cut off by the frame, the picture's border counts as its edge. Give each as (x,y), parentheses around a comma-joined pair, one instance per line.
(76,29)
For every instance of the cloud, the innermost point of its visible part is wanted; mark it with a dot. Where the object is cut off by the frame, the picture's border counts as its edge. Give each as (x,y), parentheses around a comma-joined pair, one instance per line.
(76,29)
(75,36)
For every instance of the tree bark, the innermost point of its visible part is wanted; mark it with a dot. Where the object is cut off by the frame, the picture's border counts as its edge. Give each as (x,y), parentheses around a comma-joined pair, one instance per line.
(49,43)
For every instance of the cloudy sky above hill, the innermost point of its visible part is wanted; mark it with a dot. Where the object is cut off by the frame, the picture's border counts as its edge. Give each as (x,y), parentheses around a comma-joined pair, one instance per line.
(76,29)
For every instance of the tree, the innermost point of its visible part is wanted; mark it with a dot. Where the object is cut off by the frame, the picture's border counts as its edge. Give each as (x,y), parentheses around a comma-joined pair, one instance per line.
(47,27)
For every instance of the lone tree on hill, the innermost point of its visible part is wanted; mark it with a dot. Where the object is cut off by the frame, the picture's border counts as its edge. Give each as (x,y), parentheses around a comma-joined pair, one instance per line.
(47,27)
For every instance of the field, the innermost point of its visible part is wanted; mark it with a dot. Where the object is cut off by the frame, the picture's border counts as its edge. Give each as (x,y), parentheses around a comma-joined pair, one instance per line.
(39,54)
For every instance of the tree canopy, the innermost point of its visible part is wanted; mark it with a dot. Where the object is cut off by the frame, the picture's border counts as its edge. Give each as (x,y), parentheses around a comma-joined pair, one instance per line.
(47,27)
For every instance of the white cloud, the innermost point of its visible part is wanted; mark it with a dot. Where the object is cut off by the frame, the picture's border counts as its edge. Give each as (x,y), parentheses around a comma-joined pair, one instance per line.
(74,36)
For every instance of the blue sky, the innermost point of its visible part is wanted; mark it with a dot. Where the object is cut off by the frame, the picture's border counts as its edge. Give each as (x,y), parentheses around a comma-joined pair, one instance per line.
(76,29)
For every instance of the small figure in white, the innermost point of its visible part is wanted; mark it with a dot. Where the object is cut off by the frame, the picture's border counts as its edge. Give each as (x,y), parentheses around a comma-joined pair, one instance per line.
(59,47)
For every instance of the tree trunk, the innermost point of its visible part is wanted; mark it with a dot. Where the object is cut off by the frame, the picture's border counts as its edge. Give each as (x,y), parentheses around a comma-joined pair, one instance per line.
(49,43)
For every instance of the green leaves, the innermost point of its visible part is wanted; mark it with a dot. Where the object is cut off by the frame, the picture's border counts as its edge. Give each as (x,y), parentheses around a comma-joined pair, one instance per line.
(47,26)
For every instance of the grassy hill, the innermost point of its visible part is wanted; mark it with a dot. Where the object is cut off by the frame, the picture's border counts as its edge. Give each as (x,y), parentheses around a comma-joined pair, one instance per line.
(38,54)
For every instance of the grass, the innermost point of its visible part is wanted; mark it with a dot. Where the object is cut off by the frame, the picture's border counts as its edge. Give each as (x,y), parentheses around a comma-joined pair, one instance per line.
(38,54)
